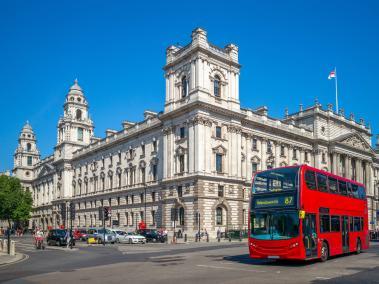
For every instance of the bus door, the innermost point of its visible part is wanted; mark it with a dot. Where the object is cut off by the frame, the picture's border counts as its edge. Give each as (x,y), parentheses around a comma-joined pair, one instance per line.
(310,235)
(345,234)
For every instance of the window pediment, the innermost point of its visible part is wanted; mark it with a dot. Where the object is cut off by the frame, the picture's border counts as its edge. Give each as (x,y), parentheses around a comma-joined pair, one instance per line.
(219,150)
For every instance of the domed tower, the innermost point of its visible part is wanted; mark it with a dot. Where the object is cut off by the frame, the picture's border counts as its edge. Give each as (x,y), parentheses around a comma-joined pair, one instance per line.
(75,128)
(26,155)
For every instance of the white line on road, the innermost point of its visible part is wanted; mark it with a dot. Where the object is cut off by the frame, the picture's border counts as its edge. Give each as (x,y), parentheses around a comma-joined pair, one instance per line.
(230,268)
(322,278)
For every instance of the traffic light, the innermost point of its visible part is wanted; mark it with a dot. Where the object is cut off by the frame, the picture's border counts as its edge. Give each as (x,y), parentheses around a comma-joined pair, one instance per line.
(107,213)
(72,211)
(101,213)
(63,211)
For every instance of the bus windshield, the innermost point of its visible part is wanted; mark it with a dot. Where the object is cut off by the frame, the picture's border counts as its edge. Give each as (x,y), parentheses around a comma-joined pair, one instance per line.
(276,180)
(274,225)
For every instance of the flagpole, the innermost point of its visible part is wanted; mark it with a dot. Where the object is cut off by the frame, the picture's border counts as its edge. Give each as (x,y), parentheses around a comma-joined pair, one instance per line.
(335,79)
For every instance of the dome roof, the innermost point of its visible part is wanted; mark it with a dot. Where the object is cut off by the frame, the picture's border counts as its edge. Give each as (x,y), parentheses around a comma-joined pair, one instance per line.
(27,128)
(75,89)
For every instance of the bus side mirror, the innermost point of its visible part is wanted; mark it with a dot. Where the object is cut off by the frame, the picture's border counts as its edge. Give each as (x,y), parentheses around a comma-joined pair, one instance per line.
(301,214)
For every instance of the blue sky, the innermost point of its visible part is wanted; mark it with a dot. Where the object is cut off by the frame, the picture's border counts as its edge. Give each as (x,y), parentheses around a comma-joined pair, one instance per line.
(117,50)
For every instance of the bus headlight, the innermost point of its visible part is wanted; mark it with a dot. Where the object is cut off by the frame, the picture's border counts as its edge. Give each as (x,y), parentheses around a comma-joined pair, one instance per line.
(253,245)
(294,245)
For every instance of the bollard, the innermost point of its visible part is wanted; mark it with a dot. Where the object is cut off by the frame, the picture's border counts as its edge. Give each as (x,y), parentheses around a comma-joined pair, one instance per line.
(185,238)
(9,241)
(5,245)
(207,238)
(12,250)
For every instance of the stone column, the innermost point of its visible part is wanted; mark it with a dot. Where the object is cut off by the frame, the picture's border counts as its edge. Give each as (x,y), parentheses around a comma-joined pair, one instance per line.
(348,166)
(263,153)
(277,154)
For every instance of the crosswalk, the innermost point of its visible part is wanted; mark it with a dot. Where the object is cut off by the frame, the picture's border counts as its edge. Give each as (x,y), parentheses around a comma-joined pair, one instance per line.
(29,247)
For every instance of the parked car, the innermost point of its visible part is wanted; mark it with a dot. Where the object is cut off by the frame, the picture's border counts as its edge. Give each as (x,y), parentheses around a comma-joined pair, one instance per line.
(151,235)
(98,234)
(57,237)
(80,234)
(130,238)
(120,234)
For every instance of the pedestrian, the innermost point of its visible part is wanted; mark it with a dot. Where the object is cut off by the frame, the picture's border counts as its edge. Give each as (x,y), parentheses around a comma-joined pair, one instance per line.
(218,234)
(68,238)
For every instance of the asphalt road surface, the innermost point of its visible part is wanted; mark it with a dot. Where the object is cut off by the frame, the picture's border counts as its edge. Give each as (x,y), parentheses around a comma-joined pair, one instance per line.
(184,263)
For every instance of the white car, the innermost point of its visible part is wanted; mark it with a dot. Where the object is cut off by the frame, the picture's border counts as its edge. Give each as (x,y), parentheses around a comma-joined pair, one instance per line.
(133,238)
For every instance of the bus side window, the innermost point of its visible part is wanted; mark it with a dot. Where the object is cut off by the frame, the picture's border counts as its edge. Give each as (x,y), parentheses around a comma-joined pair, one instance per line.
(342,187)
(357,224)
(351,224)
(335,224)
(354,190)
(333,185)
(349,190)
(322,182)
(361,192)
(324,223)
(310,179)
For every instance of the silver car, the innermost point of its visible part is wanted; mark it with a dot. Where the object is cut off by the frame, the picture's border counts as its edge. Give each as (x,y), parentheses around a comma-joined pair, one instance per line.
(110,237)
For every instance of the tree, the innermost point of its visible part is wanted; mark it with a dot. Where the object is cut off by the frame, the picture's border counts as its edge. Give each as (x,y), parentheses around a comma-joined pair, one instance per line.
(15,202)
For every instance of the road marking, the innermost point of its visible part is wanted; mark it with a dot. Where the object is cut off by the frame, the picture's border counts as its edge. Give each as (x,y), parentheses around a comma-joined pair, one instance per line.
(230,268)
(322,278)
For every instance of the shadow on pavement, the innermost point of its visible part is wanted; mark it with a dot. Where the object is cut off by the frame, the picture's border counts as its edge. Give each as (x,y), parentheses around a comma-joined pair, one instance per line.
(364,275)
(245,259)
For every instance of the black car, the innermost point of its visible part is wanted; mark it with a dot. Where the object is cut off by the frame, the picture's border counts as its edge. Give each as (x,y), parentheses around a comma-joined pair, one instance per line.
(57,237)
(151,236)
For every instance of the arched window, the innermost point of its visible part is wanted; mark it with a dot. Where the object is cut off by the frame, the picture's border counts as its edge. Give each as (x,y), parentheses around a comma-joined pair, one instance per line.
(28,147)
(184,86)
(181,216)
(217,86)
(219,220)
(78,114)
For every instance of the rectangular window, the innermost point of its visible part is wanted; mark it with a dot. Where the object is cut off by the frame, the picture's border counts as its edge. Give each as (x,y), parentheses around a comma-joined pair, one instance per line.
(153,196)
(354,190)
(153,217)
(254,146)
(333,185)
(322,182)
(132,199)
(342,187)
(310,179)
(357,224)
(80,134)
(131,218)
(30,161)
(180,191)
(306,156)
(218,131)
(143,150)
(324,223)
(182,132)
(219,163)
(154,172)
(243,217)
(351,219)
(126,219)
(254,167)
(220,191)
(119,157)
(282,150)
(335,224)
(294,154)
(127,199)
(269,147)
(141,215)
(154,146)
(141,197)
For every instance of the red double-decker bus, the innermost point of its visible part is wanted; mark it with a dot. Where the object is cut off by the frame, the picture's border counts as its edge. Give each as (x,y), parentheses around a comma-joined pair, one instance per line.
(304,213)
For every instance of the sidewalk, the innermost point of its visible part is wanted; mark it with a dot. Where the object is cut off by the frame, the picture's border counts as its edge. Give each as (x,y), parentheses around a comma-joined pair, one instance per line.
(6,259)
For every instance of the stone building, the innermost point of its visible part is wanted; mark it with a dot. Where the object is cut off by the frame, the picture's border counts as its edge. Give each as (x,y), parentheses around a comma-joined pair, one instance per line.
(195,158)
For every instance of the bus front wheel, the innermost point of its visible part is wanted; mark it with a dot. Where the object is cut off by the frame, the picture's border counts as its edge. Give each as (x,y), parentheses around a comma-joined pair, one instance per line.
(324,252)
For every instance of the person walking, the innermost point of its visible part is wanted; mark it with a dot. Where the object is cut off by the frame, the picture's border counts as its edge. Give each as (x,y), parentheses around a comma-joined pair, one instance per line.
(68,238)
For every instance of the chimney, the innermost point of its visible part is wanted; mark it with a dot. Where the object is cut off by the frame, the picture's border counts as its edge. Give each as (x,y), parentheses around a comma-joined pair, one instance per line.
(110,132)
(127,124)
(147,114)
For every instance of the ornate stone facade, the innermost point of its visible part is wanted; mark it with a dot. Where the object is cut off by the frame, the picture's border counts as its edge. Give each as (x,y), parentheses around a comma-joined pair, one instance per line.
(197,156)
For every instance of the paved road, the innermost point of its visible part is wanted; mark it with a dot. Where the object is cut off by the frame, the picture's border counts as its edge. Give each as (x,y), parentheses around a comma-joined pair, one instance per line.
(186,263)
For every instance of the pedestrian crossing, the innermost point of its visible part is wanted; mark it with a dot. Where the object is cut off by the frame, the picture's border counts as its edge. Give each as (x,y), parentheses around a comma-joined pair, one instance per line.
(26,247)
